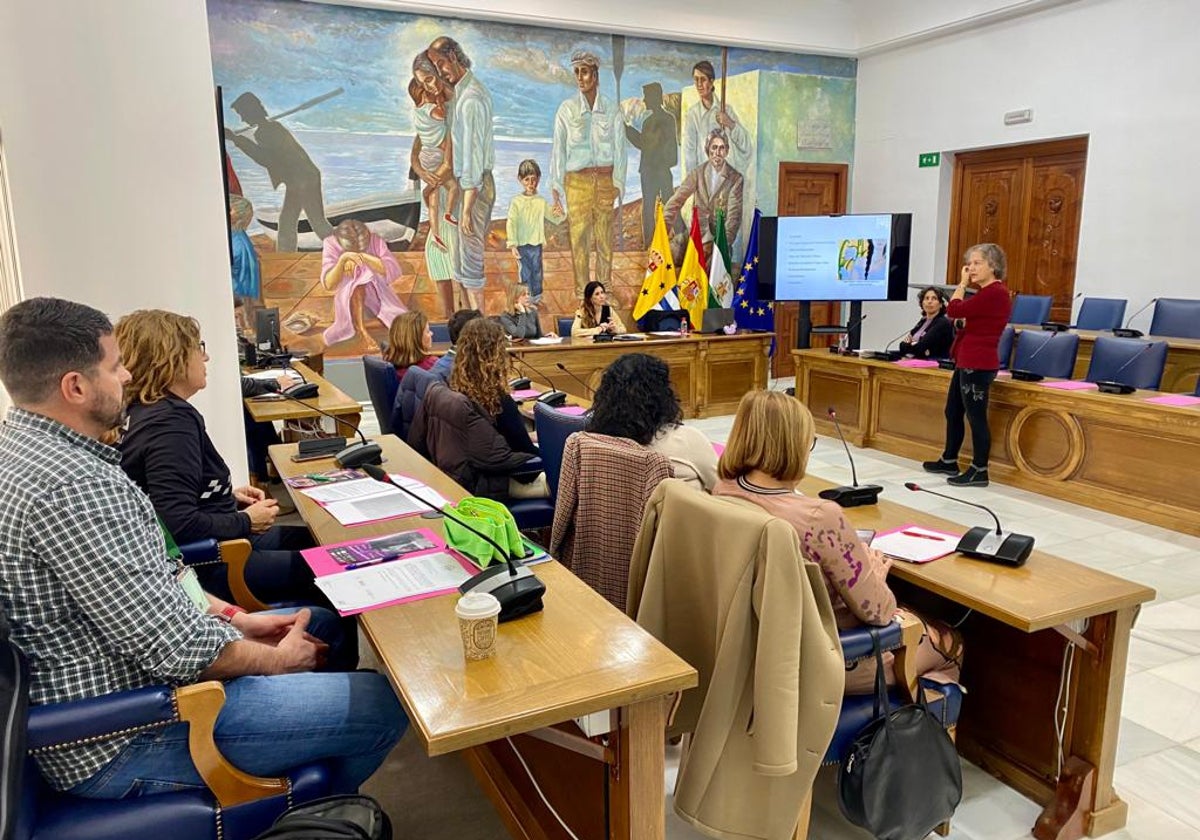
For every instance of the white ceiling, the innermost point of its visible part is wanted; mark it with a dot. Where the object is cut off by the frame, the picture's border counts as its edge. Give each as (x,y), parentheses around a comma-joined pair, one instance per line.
(834,27)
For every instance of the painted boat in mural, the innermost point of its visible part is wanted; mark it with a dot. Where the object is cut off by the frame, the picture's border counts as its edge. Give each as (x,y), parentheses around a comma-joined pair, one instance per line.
(393,216)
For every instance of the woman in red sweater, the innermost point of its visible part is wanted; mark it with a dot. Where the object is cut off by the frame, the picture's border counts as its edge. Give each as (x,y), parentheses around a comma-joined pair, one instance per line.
(980,320)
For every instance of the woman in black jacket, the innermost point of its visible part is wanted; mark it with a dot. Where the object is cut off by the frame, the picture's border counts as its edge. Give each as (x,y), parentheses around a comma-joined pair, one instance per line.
(166,450)
(933,334)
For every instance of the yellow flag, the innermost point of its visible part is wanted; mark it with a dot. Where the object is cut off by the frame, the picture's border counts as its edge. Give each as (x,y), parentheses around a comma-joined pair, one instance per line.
(660,268)
(693,279)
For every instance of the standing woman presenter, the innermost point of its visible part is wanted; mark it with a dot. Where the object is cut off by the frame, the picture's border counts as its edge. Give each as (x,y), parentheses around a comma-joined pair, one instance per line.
(980,320)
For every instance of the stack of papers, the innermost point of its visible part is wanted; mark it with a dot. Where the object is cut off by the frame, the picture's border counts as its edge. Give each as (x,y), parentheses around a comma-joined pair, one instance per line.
(914,544)
(546,339)
(366,500)
(394,582)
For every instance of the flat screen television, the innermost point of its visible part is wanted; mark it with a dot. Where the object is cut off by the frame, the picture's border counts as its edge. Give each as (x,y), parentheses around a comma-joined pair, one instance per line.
(855,257)
(266,330)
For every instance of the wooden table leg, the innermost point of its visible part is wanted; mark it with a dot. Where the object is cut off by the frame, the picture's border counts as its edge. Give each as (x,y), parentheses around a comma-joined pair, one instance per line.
(636,794)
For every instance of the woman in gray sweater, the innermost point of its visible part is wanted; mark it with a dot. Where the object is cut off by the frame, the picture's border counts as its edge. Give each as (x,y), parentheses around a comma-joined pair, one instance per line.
(520,316)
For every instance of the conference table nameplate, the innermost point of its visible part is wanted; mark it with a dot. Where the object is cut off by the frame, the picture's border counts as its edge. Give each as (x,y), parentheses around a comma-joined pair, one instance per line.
(578,656)
(1112,452)
(710,373)
(1015,636)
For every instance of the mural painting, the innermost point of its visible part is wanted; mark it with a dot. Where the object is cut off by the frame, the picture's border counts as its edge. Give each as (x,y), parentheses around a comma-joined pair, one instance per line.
(388,161)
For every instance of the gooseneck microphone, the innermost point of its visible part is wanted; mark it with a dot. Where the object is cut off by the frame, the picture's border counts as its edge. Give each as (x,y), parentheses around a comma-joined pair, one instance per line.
(1125,331)
(516,588)
(590,391)
(1025,374)
(1113,385)
(857,494)
(887,354)
(997,546)
(357,454)
(1059,326)
(552,397)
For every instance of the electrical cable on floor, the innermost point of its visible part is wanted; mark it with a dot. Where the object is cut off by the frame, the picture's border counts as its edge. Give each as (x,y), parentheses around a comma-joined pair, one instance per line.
(541,795)
(1061,704)
(961,620)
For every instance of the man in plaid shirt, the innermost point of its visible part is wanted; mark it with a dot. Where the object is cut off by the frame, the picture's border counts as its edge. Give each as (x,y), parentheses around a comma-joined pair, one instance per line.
(97,606)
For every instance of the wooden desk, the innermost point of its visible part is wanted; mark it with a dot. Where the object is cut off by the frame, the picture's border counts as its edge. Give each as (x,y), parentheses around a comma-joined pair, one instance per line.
(578,656)
(710,373)
(1015,640)
(1112,452)
(1183,358)
(329,399)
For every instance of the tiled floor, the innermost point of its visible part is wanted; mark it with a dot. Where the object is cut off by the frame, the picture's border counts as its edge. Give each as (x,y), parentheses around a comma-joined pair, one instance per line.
(1158,760)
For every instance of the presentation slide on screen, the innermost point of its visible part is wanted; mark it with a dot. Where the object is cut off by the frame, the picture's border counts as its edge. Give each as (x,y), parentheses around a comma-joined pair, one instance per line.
(832,257)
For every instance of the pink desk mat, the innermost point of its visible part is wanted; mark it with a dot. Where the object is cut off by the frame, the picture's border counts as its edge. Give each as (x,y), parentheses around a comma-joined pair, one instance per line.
(1070,385)
(572,409)
(525,394)
(1174,399)
(917,363)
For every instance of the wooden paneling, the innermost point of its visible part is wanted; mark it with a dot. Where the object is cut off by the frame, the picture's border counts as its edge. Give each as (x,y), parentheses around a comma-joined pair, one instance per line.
(807,189)
(1106,451)
(1027,199)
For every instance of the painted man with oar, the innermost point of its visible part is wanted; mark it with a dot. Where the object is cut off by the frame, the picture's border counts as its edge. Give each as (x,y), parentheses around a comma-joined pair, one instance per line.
(274,148)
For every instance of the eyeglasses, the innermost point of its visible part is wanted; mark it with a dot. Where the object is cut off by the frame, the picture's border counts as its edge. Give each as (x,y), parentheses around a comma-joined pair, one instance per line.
(203,348)
(813,448)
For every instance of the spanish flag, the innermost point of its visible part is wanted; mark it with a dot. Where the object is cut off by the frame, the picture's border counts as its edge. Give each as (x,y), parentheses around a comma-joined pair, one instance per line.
(660,268)
(693,279)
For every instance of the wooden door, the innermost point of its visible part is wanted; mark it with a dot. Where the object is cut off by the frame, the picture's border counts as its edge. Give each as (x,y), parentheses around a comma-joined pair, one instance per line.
(807,189)
(1028,200)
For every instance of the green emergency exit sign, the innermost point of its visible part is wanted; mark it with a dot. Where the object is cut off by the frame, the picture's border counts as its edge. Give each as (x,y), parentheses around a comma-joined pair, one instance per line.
(929,159)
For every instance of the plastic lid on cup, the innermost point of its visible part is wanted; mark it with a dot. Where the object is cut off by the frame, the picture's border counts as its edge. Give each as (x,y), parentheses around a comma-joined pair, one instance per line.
(477,605)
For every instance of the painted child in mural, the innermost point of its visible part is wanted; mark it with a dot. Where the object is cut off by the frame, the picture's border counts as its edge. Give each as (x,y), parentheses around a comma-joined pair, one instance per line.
(527,215)
(431,151)
(247,284)
(358,267)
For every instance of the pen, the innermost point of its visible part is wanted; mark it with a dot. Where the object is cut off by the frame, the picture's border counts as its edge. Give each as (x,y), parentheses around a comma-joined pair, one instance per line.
(318,477)
(923,536)
(364,563)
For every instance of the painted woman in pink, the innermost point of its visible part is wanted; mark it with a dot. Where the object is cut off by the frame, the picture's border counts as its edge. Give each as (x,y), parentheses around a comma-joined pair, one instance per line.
(358,264)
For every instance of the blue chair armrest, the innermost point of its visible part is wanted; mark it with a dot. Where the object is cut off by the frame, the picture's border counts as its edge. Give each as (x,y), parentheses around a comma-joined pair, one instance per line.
(200,552)
(63,723)
(856,641)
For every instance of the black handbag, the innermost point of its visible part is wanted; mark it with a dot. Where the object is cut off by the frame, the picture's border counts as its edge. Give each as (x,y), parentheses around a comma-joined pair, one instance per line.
(901,777)
(332,818)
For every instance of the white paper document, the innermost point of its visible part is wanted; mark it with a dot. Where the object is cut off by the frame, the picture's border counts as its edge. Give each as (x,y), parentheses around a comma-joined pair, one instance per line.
(365,500)
(392,581)
(915,544)
(274,374)
(430,496)
(546,339)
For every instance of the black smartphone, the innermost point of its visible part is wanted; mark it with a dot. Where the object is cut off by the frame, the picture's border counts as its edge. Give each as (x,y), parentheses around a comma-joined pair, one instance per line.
(605,314)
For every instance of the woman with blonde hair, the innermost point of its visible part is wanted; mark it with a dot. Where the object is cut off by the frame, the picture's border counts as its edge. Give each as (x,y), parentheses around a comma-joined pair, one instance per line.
(472,429)
(764,460)
(409,343)
(520,316)
(166,450)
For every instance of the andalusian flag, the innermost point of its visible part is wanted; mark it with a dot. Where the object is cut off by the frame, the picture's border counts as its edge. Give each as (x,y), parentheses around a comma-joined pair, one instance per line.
(660,268)
(693,279)
(720,284)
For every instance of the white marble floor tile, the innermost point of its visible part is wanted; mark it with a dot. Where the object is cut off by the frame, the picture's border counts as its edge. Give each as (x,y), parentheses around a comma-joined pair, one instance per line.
(1136,742)
(1145,654)
(1149,822)
(1183,672)
(1168,780)
(1173,577)
(1162,706)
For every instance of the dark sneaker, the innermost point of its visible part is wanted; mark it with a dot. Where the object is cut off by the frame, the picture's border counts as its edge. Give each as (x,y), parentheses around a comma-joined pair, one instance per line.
(940,466)
(972,477)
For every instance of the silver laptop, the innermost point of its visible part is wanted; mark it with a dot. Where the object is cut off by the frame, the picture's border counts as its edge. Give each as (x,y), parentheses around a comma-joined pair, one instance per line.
(715,320)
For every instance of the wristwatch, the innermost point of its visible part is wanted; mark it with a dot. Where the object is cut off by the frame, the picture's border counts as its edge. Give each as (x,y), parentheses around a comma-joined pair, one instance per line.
(228,613)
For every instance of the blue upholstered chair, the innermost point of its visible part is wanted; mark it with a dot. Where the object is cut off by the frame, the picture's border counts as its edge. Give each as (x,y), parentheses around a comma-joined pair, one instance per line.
(1046,353)
(1197,391)
(441,333)
(1030,309)
(564,326)
(553,429)
(1100,314)
(382,385)
(1129,361)
(1005,347)
(408,398)
(1176,317)
(232,805)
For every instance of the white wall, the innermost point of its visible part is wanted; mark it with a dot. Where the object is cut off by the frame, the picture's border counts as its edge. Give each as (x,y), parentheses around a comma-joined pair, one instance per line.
(110,139)
(1122,72)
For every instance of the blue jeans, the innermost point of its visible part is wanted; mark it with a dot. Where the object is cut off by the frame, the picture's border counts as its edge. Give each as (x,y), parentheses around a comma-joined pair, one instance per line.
(268,726)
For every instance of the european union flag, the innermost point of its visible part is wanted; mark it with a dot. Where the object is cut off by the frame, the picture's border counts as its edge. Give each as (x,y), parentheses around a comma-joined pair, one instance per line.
(749,312)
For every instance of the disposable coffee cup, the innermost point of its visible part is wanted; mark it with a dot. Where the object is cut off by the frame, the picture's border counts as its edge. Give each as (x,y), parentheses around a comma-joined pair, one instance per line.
(477,618)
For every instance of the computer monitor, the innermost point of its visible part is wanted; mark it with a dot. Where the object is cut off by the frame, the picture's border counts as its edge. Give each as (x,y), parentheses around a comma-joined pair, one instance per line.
(266,330)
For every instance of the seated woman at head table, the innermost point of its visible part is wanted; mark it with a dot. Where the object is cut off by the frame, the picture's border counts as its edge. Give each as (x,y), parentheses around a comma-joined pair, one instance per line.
(595,316)
(409,343)
(764,460)
(520,316)
(933,334)
(635,400)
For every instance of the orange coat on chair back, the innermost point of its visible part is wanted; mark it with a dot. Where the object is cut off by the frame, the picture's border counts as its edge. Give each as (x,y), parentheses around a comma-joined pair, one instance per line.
(725,586)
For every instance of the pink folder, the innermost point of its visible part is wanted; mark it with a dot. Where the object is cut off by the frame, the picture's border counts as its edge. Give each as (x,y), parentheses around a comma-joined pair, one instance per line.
(1070,385)
(572,409)
(1174,399)
(917,363)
